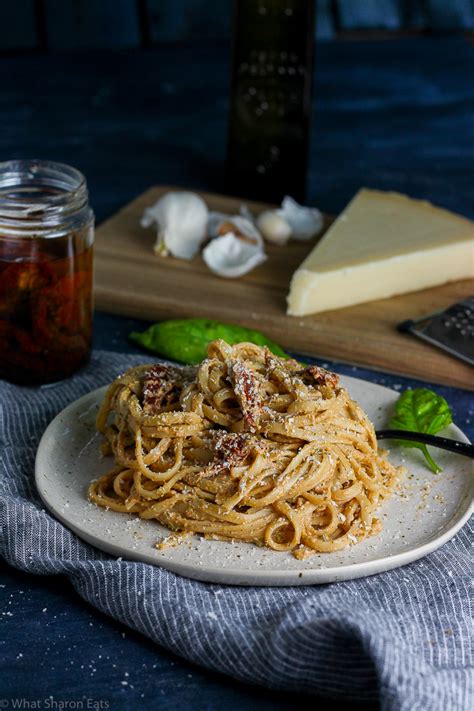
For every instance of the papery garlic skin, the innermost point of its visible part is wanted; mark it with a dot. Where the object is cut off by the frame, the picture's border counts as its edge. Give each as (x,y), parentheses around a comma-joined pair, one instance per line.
(274,227)
(181,219)
(245,212)
(305,222)
(231,256)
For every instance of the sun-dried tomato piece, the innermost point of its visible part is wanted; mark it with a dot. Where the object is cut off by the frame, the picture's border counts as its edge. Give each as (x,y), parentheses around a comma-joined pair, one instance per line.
(157,387)
(231,449)
(247,392)
(162,385)
(321,376)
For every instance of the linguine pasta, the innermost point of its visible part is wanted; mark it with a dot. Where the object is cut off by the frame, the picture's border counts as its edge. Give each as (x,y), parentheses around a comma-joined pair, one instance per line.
(247,446)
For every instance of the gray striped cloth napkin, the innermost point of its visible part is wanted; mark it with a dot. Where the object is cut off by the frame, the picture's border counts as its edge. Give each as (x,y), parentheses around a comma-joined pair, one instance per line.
(402,636)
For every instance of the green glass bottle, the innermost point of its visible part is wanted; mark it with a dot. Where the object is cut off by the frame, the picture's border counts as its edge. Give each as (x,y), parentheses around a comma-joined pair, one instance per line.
(270,98)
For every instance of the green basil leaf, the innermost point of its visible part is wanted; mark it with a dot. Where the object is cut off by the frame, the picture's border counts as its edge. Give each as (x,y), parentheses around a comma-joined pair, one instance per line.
(186,340)
(421,410)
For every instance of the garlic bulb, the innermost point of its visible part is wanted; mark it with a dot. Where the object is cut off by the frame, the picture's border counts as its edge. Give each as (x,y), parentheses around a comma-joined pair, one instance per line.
(305,222)
(274,227)
(181,219)
(232,256)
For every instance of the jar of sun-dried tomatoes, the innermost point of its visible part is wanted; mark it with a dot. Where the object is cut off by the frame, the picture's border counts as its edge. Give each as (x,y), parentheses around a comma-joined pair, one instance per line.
(46,238)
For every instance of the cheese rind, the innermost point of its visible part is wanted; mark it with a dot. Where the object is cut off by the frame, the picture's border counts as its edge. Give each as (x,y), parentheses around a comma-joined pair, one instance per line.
(381,245)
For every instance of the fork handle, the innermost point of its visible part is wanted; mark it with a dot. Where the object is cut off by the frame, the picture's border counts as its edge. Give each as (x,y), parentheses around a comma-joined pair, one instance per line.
(452,445)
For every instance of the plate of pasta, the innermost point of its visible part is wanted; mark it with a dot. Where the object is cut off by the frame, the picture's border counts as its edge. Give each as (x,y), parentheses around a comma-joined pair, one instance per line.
(247,469)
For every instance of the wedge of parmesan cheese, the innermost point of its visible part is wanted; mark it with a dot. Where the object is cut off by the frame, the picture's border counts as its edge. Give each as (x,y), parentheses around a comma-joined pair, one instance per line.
(382,244)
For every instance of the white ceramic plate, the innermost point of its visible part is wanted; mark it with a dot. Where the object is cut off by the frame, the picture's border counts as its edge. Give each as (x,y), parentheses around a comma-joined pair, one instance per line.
(429,510)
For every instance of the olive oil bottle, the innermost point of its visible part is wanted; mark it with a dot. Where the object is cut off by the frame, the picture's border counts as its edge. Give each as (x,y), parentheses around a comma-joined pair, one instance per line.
(272,67)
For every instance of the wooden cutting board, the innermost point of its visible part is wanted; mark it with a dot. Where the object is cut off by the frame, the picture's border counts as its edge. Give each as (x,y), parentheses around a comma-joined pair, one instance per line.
(130,280)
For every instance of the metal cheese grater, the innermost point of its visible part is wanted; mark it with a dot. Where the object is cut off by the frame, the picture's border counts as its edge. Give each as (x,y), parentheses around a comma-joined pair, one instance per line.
(270,102)
(452,330)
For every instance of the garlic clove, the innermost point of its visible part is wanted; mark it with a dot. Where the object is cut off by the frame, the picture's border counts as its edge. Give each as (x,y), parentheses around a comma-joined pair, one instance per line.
(220,224)
(181,221)
(214,220)
(274,227)
(231,256)
(305,222)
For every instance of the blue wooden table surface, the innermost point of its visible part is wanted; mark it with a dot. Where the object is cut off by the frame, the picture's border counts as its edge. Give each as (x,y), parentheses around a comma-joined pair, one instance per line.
(394,115)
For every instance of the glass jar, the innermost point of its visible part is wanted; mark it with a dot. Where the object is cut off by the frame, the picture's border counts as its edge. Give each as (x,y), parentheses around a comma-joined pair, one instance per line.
(46,240)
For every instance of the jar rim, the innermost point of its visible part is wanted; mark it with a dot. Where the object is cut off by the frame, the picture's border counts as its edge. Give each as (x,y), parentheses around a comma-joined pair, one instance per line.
(14,173)
(37,195)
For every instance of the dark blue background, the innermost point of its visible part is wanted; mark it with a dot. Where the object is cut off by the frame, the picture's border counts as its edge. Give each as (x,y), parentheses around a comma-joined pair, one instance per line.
(396,114)
(79,24)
